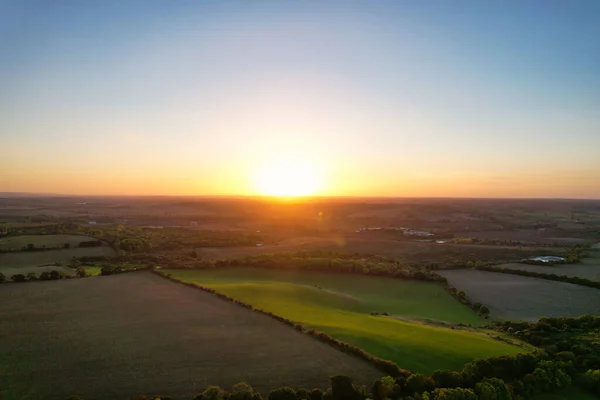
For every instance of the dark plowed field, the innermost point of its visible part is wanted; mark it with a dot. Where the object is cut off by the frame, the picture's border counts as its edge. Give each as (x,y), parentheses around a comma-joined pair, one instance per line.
(111,337)
(525,298)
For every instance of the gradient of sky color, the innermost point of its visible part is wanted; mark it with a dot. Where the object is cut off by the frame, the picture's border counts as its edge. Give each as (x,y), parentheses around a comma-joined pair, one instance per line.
(386,98)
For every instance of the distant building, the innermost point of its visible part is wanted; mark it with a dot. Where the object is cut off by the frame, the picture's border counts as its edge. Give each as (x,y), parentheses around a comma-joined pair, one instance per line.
(91,222)
(548,259)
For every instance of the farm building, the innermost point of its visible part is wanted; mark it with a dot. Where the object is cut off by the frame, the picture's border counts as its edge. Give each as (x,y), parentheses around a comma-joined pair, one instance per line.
(547,259)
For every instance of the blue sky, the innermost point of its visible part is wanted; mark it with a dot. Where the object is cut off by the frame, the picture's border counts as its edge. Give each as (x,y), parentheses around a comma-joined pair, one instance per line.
(395,98)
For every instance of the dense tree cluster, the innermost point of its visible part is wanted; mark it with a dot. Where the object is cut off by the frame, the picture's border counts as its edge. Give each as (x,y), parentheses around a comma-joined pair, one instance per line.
(567,339)
(552,277)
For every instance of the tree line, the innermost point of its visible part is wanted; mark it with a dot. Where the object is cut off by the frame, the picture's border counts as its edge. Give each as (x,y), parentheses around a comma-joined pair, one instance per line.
(552,277)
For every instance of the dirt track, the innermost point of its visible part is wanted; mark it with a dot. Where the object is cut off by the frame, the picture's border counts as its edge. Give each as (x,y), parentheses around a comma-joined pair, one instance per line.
(111,337)
(524,298)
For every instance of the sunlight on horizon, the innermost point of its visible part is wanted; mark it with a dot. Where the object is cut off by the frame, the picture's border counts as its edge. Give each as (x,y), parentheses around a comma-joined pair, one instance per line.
(291,177)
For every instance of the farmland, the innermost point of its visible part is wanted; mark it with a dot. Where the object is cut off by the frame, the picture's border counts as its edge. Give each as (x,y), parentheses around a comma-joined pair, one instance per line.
(54,252)
(117,335)
(588,267)
(340,305)
(101,342)
(524,298)
(40,241)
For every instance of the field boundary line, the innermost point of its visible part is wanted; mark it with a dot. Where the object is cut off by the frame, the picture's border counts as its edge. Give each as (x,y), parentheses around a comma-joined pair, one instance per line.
(386,366)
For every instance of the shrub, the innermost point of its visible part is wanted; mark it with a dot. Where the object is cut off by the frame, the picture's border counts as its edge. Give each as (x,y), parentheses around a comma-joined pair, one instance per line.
(18,278)
(54,274)
(32,276)
(316,394)
(81,273)
(45,276)
(241,391)
(284,393)
(2,277)
(343,389)
(591,380)
(211,393)
(455,394)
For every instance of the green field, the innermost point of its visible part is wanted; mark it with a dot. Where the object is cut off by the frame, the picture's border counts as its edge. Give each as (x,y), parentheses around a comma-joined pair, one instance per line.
(340,304)
(93,271)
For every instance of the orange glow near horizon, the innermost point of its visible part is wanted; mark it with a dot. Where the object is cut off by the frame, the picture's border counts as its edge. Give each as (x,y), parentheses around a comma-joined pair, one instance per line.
(288,178)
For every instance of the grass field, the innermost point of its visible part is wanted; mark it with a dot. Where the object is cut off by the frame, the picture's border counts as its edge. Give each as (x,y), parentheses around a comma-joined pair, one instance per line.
(522,297)
(62,256)
(340,306)
(18,242)
(120,335)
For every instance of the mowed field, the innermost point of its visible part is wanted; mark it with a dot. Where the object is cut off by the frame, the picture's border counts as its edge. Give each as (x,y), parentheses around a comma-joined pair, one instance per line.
(24,262)
(524,298)
(61,256)
(18,242)
(134,333)
(339,304)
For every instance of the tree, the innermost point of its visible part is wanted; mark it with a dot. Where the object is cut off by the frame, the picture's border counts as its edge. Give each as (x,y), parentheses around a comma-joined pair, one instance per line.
(383,388)
(417,383)
(343,389)
(284,393)
(81,273)
(454,394)
(484,310)
(211,393)
(2,277)
(241,391)
(54,274)
(492,389)
(447,379)
(316,394)
(32,276)
(45,276)
(18,278)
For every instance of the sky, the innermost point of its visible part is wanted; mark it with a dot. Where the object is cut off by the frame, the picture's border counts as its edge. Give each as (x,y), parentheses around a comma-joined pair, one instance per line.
(374,98)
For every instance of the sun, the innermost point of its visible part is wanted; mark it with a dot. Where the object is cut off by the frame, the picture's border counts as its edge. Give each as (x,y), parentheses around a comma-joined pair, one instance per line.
(288,178)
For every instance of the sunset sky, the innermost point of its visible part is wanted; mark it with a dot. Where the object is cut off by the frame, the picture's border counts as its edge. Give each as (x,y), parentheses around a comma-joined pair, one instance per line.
(373,98)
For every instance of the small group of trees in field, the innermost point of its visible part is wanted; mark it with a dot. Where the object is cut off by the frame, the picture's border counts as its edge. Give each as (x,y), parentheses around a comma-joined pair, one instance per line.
(44,276)
(31,247)
(552,277)
(570,339)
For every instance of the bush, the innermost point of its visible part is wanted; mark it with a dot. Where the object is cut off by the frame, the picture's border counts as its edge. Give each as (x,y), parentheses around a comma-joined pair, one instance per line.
(54,275)
(211,393)
(45,276)
(80,272)
(18,278)
(32,276)
(591,381)
(2,277)
(343,389)
(316,394)
(284,393)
